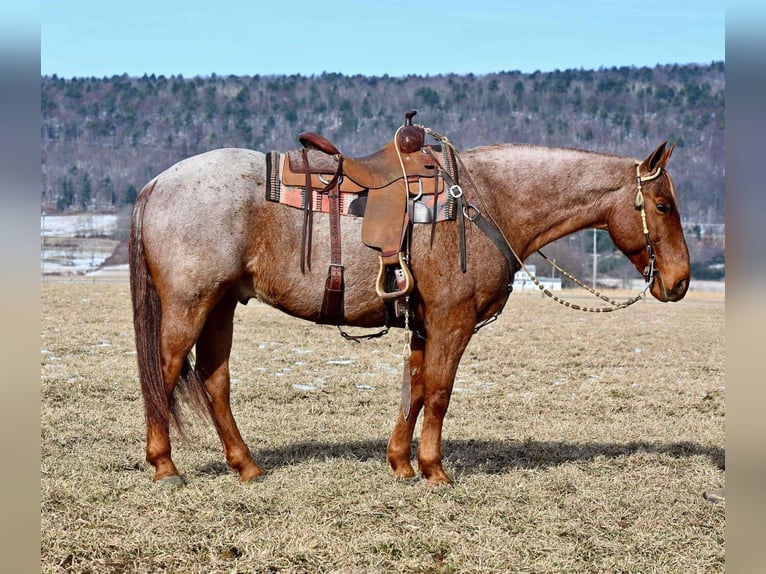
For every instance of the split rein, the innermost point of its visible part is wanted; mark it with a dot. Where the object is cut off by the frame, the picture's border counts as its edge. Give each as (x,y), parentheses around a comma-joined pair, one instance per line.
(491,229)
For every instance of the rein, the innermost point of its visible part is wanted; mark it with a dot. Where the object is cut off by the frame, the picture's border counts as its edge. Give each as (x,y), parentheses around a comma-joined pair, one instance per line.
(492,230)
(649,271)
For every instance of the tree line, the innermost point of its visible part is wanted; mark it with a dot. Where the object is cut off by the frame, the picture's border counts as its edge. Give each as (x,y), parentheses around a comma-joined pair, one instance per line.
(102,139)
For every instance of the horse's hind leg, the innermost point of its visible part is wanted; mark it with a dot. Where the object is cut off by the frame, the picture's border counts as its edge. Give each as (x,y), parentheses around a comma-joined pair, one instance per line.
(178,333)
(213,350)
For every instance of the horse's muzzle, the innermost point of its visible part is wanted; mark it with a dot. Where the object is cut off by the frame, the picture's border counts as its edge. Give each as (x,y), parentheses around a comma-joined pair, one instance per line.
(660,291)
(679,290)
(670,295)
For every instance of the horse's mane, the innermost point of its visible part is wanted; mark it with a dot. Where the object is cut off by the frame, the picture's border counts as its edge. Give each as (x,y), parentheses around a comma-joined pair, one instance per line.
(604,171)
(523,148)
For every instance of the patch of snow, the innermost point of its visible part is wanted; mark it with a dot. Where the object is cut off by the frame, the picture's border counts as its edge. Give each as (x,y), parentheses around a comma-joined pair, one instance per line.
(82,225)
(73,260)
(299,387)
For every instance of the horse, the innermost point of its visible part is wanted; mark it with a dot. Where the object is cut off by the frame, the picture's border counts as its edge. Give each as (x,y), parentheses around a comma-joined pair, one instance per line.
(203,239)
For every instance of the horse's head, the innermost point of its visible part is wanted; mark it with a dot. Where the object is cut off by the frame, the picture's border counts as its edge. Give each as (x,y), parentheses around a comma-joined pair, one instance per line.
(646,226)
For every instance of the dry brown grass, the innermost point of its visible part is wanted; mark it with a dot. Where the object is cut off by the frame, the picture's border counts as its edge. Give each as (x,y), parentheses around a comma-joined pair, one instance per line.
(577,443)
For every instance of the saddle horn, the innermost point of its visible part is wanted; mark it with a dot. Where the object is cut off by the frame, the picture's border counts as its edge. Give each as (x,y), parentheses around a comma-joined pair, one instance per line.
(410,138)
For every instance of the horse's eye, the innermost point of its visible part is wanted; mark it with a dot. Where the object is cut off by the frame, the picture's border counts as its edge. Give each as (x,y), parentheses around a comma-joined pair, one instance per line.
(663,208)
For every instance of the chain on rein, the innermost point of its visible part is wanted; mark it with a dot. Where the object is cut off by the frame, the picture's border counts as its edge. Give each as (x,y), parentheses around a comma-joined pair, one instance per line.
(649,273)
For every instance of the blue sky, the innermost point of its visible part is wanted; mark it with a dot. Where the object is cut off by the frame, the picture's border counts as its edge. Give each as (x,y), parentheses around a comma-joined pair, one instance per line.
(396,37)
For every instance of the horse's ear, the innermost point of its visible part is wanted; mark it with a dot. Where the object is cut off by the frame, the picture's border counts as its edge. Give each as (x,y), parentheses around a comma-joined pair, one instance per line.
(668,153)
(657,158)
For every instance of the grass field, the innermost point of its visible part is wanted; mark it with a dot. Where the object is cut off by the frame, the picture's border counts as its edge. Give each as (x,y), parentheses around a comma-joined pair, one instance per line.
(576,442)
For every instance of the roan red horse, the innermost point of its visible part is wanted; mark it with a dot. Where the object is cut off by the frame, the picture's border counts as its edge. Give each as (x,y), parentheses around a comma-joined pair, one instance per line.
(204,238)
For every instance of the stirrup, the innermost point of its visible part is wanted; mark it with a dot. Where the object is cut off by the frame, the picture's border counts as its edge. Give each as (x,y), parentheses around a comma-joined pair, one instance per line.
(380,283)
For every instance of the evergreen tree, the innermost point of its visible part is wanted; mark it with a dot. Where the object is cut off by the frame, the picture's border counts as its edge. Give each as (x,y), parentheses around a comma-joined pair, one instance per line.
(129,195)
(86,192)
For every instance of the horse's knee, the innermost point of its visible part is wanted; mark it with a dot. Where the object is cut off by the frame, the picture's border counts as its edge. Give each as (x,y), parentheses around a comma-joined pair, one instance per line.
(437,402)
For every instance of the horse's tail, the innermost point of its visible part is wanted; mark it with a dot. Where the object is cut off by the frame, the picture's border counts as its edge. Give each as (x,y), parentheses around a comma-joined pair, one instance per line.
(147,323)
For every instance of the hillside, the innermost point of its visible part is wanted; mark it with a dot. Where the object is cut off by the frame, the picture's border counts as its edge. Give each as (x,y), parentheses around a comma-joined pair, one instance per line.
(103,139)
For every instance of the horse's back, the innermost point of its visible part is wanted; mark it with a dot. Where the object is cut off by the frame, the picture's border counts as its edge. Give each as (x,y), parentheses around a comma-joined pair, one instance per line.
(198,217)
(212,176)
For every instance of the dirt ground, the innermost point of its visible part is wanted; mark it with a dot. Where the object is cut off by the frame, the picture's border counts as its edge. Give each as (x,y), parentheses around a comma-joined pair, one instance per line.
(576,442)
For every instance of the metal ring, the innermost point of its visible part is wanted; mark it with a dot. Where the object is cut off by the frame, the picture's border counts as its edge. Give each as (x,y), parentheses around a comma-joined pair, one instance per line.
(327,182)
(456,194)
(468,207)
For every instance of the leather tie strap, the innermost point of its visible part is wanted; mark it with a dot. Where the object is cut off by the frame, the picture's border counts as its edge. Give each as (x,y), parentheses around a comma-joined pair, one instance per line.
(406,389)
(307,217)
(332,303)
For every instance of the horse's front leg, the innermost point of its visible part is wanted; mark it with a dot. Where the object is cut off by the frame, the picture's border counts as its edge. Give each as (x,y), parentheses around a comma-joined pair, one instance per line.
(400,444)
(433,366)
(441,363)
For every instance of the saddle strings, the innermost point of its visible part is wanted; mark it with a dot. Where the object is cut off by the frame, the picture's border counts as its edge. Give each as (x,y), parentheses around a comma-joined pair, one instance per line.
(407,337)
(615,304)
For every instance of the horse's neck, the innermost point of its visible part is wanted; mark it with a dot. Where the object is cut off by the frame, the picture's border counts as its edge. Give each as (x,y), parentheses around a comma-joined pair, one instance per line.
(539,194)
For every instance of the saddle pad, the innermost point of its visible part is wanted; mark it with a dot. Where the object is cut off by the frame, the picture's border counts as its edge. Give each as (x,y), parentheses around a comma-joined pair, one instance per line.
(291,191)
(295,196)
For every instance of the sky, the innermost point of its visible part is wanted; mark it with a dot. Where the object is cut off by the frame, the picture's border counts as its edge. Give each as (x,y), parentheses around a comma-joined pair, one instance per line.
(97,38)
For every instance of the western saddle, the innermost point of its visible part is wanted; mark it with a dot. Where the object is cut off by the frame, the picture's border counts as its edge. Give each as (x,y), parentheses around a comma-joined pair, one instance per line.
(389,184)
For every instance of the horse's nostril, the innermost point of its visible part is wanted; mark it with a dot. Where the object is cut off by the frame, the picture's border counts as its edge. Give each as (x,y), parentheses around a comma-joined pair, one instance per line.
(680,286)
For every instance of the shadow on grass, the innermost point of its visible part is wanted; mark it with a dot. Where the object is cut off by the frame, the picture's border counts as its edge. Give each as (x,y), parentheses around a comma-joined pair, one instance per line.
(478,456)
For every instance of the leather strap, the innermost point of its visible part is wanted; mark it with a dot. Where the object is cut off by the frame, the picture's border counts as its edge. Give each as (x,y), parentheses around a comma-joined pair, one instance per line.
(308,212)
(406,389)
(332,303)
(497,238)
(314,140)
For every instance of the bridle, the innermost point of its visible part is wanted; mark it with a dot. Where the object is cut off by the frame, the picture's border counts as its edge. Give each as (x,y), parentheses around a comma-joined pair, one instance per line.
(650,270)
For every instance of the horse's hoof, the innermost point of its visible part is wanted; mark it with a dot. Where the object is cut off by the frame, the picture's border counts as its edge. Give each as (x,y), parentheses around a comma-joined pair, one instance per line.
(402,470)
(438,478)
(252,474)
(172,481)
(253,479)
(439,483)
